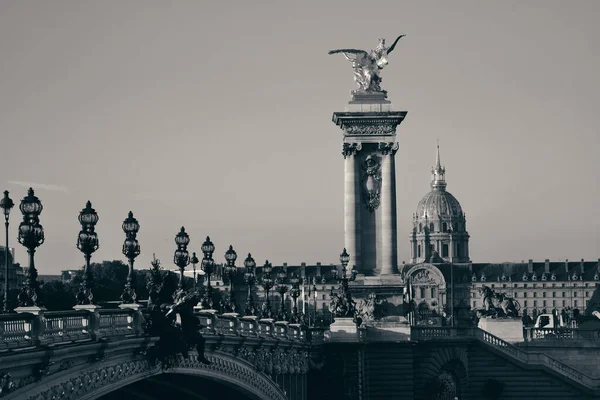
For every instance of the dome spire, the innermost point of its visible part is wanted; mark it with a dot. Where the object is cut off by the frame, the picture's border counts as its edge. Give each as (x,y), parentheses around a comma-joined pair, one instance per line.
(438,173)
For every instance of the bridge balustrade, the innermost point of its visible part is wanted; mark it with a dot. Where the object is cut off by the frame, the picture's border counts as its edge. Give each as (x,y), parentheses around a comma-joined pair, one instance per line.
(531,334)
(16,330)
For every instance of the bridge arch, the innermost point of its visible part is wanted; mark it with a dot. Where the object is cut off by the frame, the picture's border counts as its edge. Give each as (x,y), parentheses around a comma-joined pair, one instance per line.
(96,380)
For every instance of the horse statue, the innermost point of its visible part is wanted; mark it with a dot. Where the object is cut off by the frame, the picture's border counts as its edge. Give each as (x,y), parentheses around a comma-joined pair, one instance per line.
(367,308)
(510,307)
(367,65)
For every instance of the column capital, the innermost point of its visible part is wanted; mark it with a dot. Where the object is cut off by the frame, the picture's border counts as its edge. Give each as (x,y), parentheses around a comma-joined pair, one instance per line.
(388,148)
(350,149)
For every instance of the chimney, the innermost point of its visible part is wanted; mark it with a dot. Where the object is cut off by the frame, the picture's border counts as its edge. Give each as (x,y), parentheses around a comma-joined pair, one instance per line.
(567,266)
(547,266)
(303,264)
(284,265)
(582,266)
(530,267)
(318,269)
(302,271)
(318,264)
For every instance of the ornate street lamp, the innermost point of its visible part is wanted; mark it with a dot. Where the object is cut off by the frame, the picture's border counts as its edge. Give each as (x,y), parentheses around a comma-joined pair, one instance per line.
(281,288)
(131,249)
(31,235)
(267,283)
(295,292)
(181,258)
(342,304)
(231,272)
(250,278)
(208,266)
(154,283)
(87,243)
(194,261)
(6,204)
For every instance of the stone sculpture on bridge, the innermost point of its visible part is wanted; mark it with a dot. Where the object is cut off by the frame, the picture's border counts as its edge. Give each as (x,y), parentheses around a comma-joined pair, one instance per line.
(496,304)
(367,65)
(178,329)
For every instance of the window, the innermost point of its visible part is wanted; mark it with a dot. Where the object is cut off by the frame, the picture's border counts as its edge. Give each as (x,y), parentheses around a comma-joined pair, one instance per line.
(516,285)
(544,303)
(431,227)
(563,285)
(525,285)
(575,303)
(419,251)
(564,294)
(534,294)
(504,285)
(564,303)
(534,285)
(473,294)
(474,304)
(420,227)
(444,227)
(516,295)
(524,294)
(535,303)
(444,250)
(493,285)
(525,303)
(574,294)
(544,285)
(433,292)
(553,294)
(553,303)
(587,294)
(324,306)
(543,294)
(422,293)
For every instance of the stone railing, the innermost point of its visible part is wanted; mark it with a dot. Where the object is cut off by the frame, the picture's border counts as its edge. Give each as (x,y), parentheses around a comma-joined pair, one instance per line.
(531,334)
(60,327)
(540,359)
(527,357)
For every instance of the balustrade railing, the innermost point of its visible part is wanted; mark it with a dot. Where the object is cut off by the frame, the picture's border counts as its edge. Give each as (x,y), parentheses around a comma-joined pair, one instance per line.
(62,327)
(531,334)
(530,358)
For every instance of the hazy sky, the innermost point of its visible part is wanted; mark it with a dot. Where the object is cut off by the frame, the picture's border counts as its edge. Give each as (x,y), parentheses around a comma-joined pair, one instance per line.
(216,115)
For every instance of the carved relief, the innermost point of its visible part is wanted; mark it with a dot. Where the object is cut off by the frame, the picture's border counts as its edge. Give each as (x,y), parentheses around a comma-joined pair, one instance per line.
(350,149)
(388,148)
(372,182)
(369,129)
(422,277)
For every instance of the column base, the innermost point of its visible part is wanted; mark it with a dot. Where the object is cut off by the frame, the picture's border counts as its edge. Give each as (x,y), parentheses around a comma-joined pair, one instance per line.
(35,310)
(130,306)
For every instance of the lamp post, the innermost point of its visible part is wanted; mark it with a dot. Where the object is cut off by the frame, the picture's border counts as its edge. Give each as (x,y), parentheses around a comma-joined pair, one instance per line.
(281,288)
(231,272)
(194,260)
(6,204)
(181,258)
(208,266)
(250,278)
(131,249)
(31,235)
(295,292)
(316,295)
(342,304)
(267,284)
(87,243)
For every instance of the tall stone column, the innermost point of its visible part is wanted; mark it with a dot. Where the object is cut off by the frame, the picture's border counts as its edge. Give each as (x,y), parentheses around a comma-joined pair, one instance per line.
(351,203)
(389,240)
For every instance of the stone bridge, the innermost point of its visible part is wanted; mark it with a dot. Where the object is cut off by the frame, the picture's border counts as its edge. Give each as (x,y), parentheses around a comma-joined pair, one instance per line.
(86,355)
(102,354)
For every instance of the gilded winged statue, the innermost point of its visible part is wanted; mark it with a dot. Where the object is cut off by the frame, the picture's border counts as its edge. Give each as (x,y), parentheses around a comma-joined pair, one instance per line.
(367,65)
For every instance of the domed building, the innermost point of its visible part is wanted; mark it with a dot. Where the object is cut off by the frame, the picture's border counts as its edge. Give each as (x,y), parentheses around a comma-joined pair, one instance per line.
(439,232)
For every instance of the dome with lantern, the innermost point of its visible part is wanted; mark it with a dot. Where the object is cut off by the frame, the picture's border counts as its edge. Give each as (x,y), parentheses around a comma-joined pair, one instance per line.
(439,224)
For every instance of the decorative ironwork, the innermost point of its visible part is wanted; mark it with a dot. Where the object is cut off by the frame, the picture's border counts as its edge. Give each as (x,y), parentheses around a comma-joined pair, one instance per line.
(231,273)
(6,204)
(208,266)
(341,304)
(87,243)
(181,258)
(250,278)
(131,249)
(295,318)
(31,235)
(154,283)
(267,283)
(281,287)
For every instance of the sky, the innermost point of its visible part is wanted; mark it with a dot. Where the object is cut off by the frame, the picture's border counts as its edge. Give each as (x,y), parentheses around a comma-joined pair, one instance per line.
(216,116)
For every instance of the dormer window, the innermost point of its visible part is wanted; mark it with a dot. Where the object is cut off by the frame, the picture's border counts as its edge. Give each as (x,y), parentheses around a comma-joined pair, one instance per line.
(525,277)
(483,279)
(534,277)
(544,277)
(474,278)
(503,278)
(596,277)
(553,277)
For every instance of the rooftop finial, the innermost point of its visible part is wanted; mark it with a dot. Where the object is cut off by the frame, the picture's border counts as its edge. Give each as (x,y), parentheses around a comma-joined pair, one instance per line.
(438,179)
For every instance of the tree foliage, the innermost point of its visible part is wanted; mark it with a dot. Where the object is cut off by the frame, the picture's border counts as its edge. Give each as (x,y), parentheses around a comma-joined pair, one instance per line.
(109,278)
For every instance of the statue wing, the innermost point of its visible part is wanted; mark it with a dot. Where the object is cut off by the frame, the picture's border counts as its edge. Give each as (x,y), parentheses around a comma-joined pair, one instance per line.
(394,44)
(350,51)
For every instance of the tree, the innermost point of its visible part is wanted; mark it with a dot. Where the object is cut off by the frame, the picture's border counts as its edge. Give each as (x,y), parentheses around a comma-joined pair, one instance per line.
(57,296)
(594,302)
